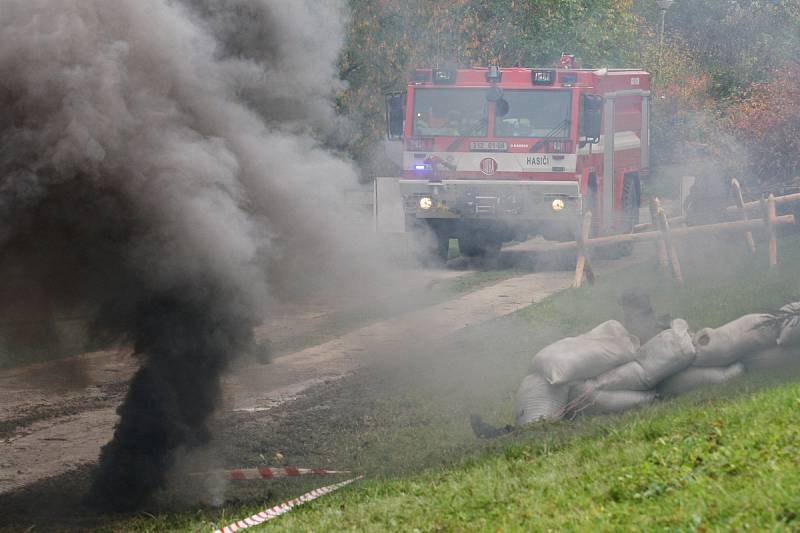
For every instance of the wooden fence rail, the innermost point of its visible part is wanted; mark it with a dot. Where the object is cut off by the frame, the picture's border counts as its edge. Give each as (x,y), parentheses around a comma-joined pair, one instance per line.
(661,231)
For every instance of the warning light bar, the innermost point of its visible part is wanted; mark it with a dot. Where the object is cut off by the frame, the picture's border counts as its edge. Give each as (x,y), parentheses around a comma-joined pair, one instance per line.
(543,76)
(444,77)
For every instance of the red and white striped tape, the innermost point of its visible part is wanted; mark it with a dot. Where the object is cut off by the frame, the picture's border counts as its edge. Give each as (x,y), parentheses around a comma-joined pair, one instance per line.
(285,507)
(269,472)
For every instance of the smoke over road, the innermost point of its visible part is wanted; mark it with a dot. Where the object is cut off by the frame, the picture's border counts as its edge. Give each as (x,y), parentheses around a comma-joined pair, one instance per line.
(161,163)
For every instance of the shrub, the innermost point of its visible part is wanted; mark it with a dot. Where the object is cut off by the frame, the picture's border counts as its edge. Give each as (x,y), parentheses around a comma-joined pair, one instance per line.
(766,121)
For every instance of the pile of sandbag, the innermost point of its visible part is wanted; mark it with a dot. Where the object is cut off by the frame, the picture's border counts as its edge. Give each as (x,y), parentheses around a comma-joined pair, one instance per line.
(607,371)
(545,391)
(719,352)
(785,354)
(633,384)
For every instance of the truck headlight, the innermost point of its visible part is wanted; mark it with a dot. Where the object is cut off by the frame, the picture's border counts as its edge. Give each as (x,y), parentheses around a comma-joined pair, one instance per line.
(558,204)
(425,203)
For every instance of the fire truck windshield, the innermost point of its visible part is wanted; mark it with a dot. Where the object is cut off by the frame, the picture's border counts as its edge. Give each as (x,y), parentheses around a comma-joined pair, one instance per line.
(534,113)
(453,112)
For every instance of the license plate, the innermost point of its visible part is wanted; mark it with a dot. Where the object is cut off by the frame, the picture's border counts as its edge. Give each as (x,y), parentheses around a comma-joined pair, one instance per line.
(488,146)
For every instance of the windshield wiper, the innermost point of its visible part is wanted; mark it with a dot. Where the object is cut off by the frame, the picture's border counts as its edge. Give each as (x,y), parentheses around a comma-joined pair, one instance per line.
(555,132)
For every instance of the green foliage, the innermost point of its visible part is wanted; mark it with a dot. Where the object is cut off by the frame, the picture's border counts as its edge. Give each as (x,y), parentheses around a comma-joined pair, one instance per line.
(726,86)
(737,42)
(680,102)
(767,121)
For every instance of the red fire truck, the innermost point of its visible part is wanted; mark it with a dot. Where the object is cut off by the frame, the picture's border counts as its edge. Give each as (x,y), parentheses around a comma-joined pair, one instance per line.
(493,154)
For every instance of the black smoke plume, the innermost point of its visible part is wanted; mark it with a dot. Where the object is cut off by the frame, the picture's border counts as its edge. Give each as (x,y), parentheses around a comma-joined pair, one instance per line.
(189,336)
(161,167)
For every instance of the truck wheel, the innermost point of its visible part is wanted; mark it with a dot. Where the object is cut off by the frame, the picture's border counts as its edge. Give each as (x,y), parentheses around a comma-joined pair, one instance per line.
(480,244)
(442,250)
(439,249)
(432,240)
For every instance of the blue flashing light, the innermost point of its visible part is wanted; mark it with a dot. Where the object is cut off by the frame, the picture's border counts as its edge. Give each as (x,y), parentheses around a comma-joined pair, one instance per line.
(419,167)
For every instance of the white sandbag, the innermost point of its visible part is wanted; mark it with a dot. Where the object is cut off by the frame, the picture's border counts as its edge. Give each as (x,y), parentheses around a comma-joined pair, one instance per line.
(695,377)
(679,324)
(790,331)
(727,344)
(778,358)
(667,353)
(537,399)
(586,356)
(578,389)
(614,401)
(630,376)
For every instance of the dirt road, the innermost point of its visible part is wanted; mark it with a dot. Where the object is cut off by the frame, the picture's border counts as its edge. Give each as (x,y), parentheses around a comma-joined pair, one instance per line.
(258,388)
(55,417)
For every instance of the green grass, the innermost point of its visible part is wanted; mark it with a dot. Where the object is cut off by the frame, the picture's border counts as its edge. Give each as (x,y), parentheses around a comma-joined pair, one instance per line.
(722,460)
(683,466)
(721,284)
(719,460)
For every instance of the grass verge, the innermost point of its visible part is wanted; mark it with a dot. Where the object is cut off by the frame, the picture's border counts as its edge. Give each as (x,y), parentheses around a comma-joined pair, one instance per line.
(691,465)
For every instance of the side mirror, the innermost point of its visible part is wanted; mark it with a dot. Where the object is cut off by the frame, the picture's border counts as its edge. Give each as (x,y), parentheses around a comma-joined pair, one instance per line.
(494,93)
(395,115)
(591,121)
(501,107)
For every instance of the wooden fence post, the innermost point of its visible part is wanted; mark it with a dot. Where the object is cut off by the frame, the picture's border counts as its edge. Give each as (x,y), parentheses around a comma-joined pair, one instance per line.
(669,244)
(737,196)
(655,206)
(768,209)
(583,259)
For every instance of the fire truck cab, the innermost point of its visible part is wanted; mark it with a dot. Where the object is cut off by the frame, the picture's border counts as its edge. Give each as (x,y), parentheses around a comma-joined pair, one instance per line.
(493,154)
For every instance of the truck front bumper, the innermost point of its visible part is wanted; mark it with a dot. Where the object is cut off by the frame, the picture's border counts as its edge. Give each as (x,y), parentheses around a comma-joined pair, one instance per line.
(510,200)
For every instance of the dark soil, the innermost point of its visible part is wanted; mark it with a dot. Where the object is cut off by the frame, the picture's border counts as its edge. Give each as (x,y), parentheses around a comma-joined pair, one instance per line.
(309,431)
(107,395)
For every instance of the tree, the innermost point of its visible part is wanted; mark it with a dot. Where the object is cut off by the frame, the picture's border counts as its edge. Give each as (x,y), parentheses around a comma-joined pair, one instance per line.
(766,121)
(736,42)
(683,112)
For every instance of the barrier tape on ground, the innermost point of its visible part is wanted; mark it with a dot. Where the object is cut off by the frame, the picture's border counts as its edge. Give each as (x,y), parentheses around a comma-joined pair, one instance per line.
(270,472)
(285,507)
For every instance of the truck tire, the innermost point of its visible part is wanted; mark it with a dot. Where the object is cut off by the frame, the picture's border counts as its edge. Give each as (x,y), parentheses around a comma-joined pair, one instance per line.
(433,240)
(439,250)
(480,244)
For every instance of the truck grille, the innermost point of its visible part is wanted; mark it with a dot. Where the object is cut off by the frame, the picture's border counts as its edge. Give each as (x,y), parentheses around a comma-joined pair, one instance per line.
(486,205)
